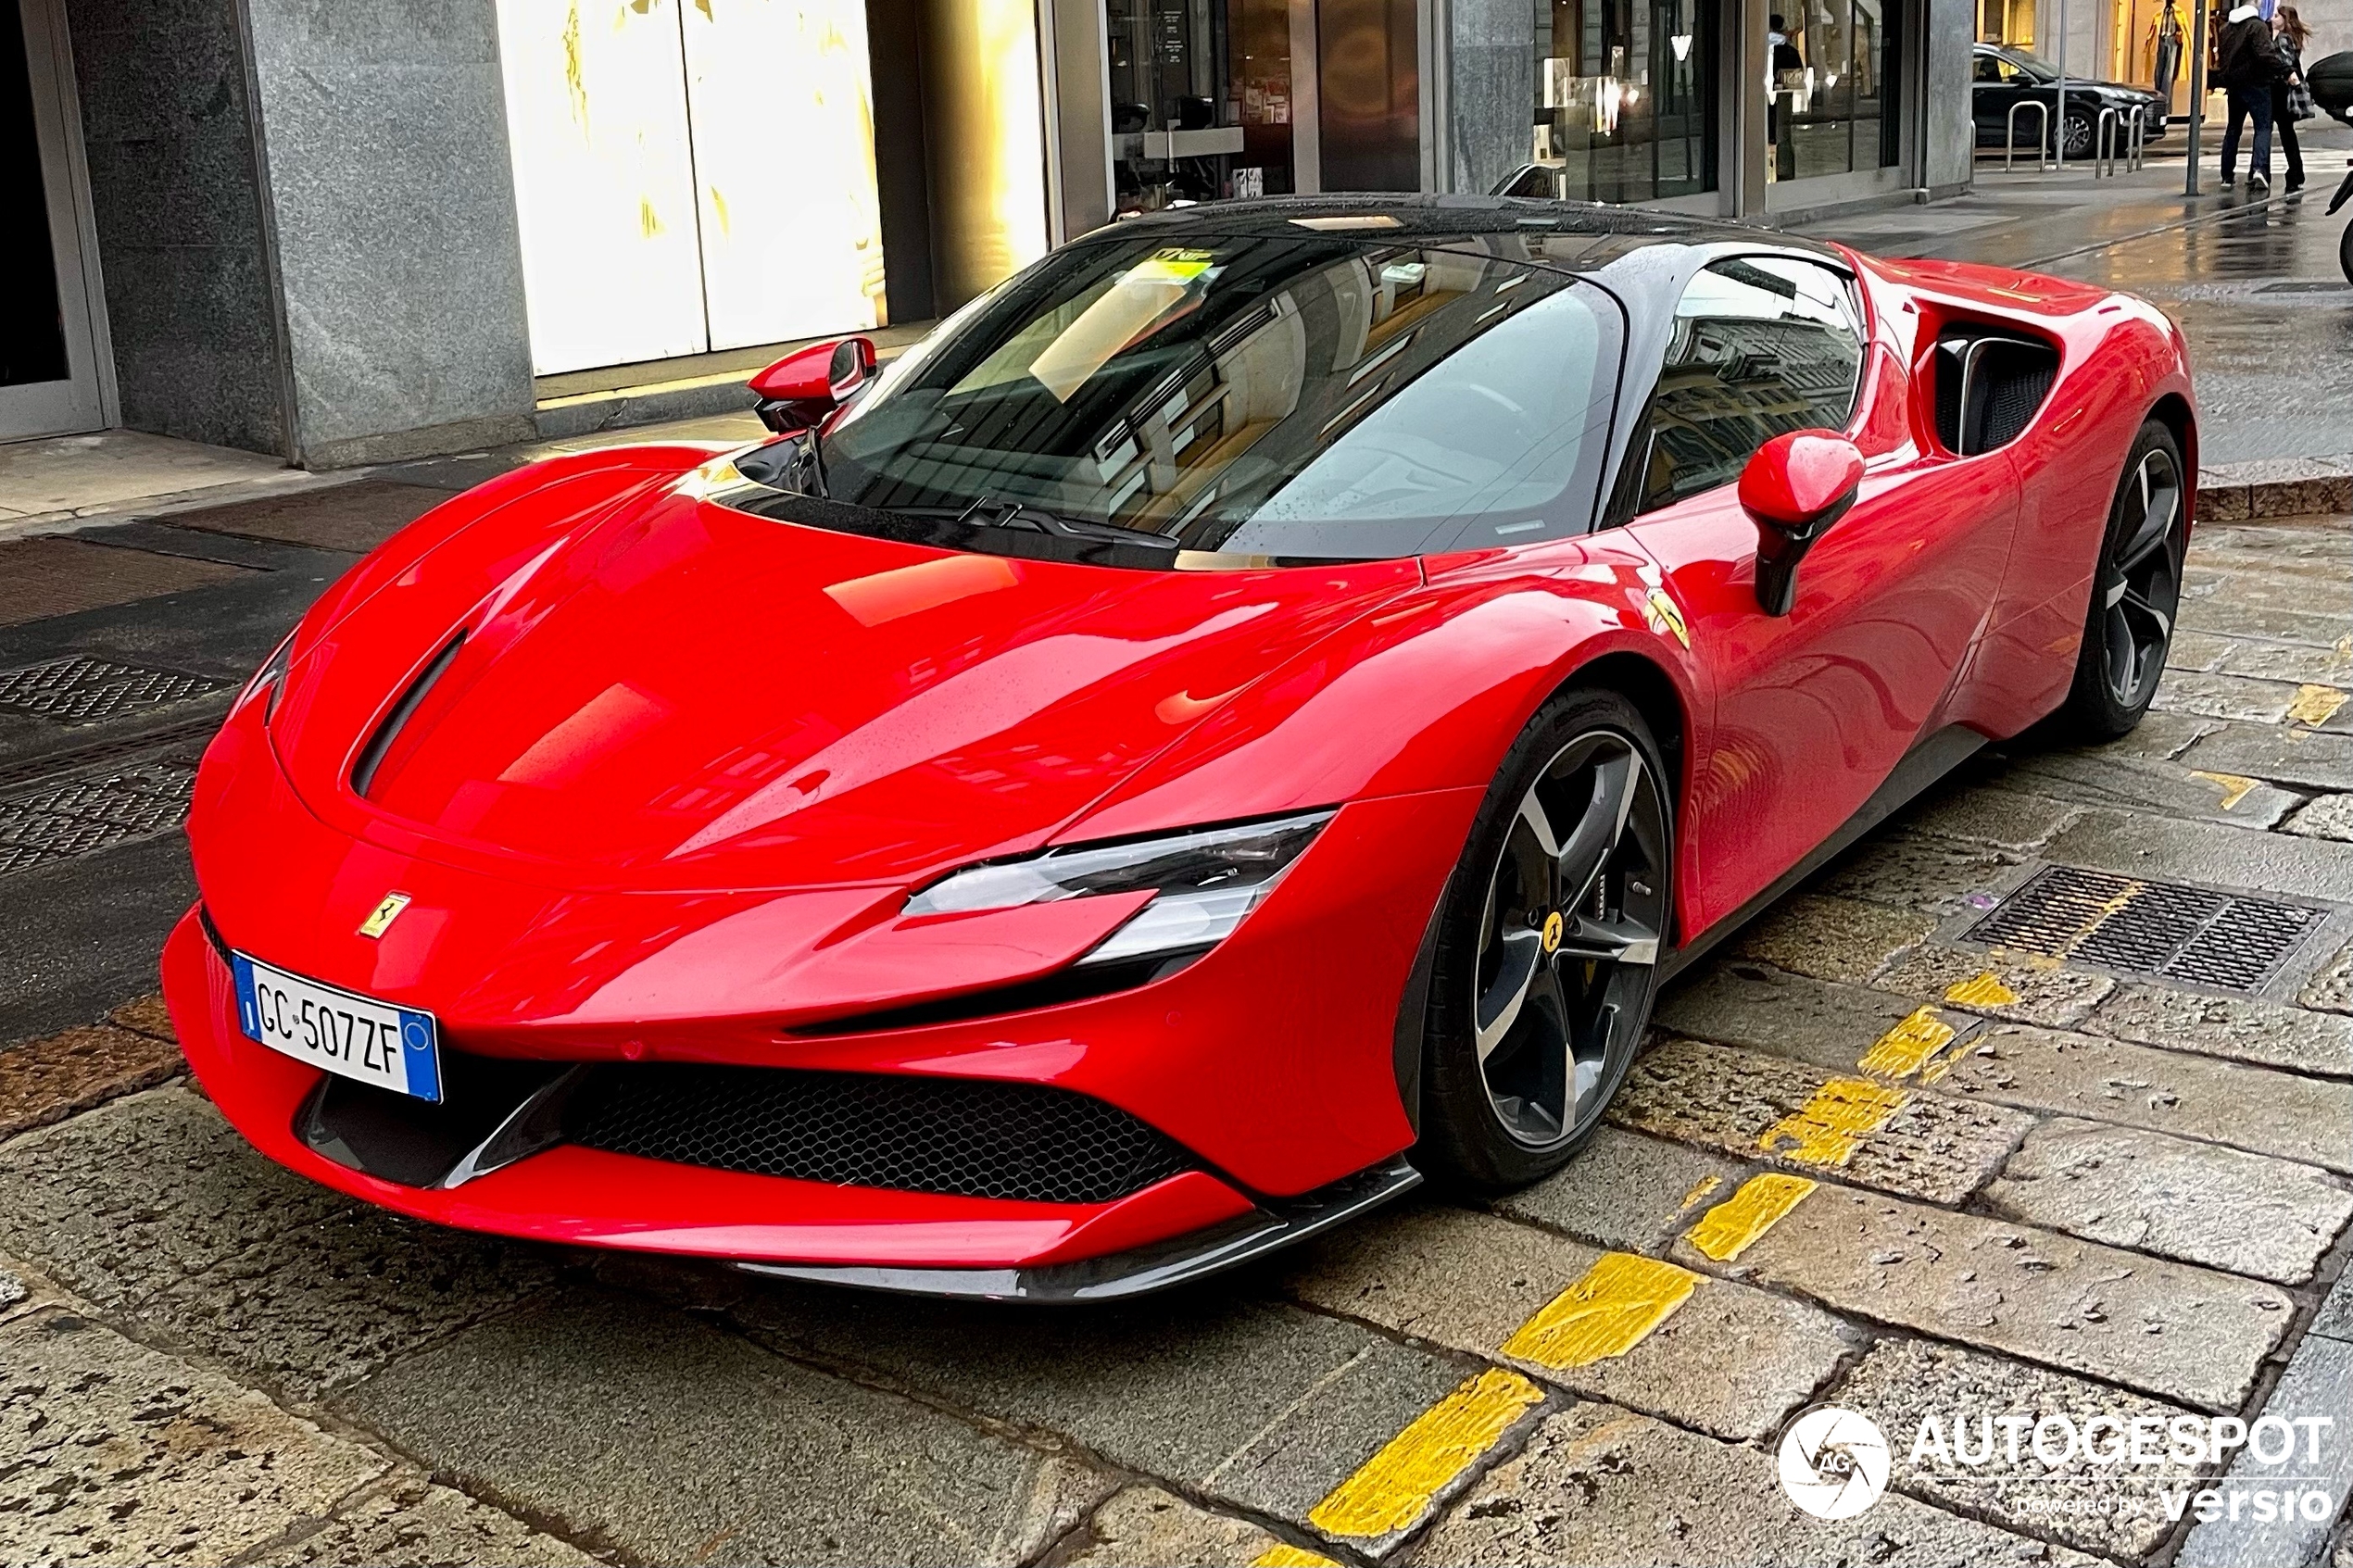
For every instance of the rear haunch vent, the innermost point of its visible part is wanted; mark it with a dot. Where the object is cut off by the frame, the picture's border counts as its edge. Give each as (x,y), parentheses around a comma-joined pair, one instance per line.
(372,756)
(956,1136)
(1988,386)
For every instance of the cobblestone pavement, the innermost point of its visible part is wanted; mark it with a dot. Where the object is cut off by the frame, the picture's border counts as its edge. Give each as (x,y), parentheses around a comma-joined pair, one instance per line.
(1869,1160)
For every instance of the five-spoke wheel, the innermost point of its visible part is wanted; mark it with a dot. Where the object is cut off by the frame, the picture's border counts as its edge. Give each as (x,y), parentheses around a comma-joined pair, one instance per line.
(2135,594)
(1556,929)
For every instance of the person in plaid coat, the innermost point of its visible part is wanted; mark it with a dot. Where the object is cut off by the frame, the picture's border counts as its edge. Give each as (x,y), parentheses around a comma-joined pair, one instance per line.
(2291,97)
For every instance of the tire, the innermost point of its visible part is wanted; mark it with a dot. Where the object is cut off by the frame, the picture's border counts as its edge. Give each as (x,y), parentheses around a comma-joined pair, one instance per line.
(2077,131)
(2345,251)
(1558,964)
(2128,628)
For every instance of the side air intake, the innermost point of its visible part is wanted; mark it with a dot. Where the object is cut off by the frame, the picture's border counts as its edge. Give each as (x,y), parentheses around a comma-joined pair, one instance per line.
(371,755)
(1988,386)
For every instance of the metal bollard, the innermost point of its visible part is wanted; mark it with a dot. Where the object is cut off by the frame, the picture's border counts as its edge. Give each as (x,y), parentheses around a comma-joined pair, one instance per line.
(2139,121)
(2042,139)
(2105,133)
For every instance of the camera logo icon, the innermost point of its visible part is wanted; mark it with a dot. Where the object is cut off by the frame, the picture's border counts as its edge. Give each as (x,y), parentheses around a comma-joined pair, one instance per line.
(1833,1462)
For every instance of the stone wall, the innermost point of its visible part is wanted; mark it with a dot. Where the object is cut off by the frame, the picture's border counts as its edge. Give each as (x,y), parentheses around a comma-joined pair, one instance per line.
(175,189)
(384,135)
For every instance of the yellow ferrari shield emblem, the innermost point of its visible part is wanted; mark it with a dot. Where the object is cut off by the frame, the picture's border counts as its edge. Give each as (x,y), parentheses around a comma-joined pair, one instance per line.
(1553,929)
(380,919)
(1666,617)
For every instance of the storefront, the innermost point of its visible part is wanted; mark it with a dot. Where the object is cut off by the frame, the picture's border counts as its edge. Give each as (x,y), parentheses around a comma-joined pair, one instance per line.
(554,205)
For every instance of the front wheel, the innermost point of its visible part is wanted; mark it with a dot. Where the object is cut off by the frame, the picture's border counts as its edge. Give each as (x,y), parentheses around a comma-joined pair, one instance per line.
(2129,628)
(1548,952)
(2344,244)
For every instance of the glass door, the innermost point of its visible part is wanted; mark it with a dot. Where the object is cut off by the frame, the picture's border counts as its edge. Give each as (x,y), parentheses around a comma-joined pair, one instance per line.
(49,371)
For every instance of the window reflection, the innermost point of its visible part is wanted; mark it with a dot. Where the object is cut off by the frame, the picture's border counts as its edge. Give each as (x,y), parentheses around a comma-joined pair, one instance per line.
(1832,68)
(1623,107)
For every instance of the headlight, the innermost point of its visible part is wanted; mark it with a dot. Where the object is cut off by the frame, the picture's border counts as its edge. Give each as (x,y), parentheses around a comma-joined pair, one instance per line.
(1207,880)
(270,678)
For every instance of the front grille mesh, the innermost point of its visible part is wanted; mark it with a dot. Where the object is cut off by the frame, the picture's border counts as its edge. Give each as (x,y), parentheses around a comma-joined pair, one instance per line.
(956,1137)
(2199,935)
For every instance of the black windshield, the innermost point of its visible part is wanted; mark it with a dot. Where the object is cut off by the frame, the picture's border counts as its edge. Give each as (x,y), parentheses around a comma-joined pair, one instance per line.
(1306,397)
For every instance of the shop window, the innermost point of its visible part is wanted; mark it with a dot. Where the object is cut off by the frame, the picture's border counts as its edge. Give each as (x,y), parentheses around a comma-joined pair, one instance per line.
(1762,346)
(1625,105)
(1834,70)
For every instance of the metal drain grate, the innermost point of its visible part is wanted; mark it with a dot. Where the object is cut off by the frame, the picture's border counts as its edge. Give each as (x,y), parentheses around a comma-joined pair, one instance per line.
(2164,928)
(80,689)
(83,816)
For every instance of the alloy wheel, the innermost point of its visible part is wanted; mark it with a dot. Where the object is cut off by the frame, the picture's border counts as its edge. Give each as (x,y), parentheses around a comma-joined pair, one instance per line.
(2141,580)
(1570,939)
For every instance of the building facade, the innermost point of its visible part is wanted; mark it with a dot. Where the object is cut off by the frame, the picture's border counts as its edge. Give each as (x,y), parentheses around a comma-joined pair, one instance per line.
(350,234)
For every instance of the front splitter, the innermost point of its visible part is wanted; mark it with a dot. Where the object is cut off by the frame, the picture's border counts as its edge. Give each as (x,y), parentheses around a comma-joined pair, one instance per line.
(1272,1225)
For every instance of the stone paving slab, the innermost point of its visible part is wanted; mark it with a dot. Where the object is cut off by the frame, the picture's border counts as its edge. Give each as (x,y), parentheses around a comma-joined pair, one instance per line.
(1832,938)
(1728,1359)
(2233,618)
(2300,759)
(674,1442)
(1918,872)
(145,1015)
(2102,1080)
(1624,1191)
(2330,985)
(2110,1510)
(308,1310)
(2224,696)
(1600,1487)
(2317,1382)
(2330,666)
(2030,987)
(412,1522)
(1814,1021)
(47,1081)
(2167,1329)
(2160,1195)
(1144,1524)
(113,1453)
(2327,816)
(2240,1028)
(2141,784)
(1776,1112)
(2017,821)
(2221,857)
(121,1201)
(2197,1202)
(1264,1408)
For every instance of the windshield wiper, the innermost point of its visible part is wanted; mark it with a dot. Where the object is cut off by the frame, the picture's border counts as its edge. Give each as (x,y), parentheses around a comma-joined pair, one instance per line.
(1023,518)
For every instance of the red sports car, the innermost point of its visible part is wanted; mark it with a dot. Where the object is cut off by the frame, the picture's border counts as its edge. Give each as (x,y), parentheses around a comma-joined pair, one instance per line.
(1241,716)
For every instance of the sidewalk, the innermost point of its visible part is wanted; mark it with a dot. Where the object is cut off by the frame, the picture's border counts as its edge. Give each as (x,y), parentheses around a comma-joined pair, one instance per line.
(2255,285)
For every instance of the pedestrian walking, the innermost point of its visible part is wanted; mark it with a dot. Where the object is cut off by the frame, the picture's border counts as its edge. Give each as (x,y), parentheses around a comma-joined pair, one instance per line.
(2291,96)
(2247,62)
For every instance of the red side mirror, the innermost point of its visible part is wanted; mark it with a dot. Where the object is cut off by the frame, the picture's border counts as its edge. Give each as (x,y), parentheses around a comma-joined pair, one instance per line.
(1794,488)
(800,388)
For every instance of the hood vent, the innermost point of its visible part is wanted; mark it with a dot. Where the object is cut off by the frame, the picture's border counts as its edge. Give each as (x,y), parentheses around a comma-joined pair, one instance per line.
(1988,386)
(371,755)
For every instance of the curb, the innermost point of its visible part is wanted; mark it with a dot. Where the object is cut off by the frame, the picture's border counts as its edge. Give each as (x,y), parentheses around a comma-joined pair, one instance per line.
(2275,487)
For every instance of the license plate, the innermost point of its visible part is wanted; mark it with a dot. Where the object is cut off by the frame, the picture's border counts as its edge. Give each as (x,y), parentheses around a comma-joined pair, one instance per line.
(392,1047)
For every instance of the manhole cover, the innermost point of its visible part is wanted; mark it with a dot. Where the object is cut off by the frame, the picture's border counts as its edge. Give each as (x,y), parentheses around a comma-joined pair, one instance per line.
(80,689)
(2171,929)
(82,816)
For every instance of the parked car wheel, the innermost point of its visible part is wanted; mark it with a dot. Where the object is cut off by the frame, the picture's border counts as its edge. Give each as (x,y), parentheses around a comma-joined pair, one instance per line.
(2129,628)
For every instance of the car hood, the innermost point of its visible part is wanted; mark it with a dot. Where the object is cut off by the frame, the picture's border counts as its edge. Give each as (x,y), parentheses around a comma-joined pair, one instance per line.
(671,694)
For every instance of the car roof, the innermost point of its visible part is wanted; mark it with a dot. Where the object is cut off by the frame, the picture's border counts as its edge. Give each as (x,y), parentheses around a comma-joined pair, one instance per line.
(1570,236)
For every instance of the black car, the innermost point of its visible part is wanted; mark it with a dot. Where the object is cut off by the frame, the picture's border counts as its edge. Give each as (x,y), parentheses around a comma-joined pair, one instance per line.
(2001,76)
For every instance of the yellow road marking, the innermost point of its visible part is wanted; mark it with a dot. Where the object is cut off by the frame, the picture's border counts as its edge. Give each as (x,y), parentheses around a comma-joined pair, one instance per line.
(1613,1308)
(2315,704)
(1986,991)
(1726,1230)
(1393,1489)
(1289,1556)
(1828,1128)
(2234,786)
(1700,1189)
(1907,1047)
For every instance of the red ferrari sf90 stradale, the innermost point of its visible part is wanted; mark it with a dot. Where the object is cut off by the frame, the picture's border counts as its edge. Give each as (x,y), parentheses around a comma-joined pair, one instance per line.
(1241,716)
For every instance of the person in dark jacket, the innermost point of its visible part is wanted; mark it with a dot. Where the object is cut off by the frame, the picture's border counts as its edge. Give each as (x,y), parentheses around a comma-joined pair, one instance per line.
(2247,62)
